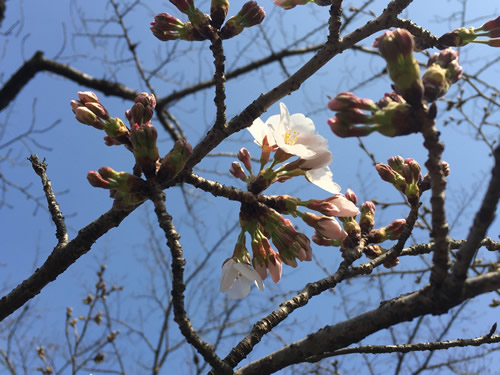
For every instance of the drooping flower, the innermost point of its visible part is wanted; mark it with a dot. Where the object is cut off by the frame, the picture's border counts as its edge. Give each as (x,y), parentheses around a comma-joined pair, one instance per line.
(237,278)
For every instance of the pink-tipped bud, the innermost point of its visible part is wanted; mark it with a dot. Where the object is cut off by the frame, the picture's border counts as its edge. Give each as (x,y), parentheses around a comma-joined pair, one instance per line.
(250,15)
(96,180)
(394,229)
(87,97)
(367,219)
(350,195)
(326,226)
(347,100)
(396,162)
(390,175)
(345,130)
(396,47)
(245,158)
(143,109)
(127,190)
(185,6)
(492,24)
(85,116)
(237,171)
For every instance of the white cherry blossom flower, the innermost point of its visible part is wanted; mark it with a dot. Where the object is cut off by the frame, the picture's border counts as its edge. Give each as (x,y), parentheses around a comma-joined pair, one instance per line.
(237,278)
(296,135)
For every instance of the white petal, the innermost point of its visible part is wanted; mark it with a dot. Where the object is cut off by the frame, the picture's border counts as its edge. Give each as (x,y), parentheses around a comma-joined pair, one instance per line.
(239,289)
(320,160)
(229,274)
(322,178)
(259,130)
(302,124)
(248,272)
(284,124)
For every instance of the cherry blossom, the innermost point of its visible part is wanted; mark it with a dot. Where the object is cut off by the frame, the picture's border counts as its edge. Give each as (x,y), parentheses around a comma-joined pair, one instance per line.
(237,278)
(296,135)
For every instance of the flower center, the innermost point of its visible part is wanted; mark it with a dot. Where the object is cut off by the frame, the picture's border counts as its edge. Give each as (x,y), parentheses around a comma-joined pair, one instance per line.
(291,137)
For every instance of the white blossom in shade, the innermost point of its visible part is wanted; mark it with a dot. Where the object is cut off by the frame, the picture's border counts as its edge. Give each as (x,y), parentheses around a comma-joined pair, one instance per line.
(323,178)
(237,278)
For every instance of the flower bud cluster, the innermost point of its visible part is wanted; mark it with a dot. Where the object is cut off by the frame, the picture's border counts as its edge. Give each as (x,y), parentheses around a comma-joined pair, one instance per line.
(89,111)
(392,116)
(465,35)
(397,113)
(202,26)
(396,47)
(405,175)
(442,71)
(129,190)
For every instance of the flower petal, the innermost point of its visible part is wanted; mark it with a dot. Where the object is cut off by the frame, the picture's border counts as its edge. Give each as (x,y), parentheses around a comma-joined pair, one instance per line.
(322,178)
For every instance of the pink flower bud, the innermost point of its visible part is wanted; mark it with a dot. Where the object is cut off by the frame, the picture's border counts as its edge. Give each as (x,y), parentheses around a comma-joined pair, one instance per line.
(347,100)
(326,226)
(244,157)
(394,230)
(396,162)
(185,6)
(85,116)
(350,195)
(237,171)
(492,24)
(396,47)
(249,15)
(367,219)
(87,96)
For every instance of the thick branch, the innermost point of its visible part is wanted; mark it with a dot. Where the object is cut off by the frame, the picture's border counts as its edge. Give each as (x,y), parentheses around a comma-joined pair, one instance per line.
(341,335)
(482,221)
(39,64)
(59,260)
(439,233)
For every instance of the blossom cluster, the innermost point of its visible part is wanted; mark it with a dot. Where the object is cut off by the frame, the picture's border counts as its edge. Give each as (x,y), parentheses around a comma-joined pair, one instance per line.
(202,26)
(400,112)
(129,190)
(465,35)
(285,137)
